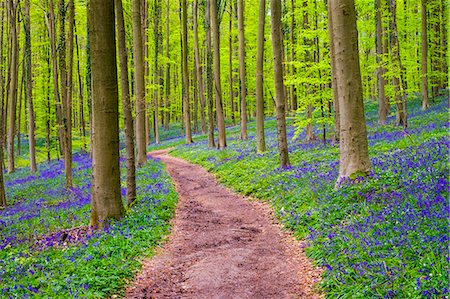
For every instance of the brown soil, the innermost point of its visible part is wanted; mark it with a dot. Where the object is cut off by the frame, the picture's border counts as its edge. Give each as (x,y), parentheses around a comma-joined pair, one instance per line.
(223,246)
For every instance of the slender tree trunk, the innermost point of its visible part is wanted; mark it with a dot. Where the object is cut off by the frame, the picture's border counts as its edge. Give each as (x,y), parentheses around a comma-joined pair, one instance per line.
(425,102)
(66,102)
(13,83)
(354,156)
(209,75)
(138,59)
(383,103)
(167,117)
(156,34)
(195,113)
(292,40)
(106,199)
(230,63)
(280,98)
(186,105)
(31,124)
(222,143)
(81,97)
(19,111)
(337,127)
(126,105)
(261,143)
(48,130)
(243,87)
(2,96)
(397,80)
(198,69)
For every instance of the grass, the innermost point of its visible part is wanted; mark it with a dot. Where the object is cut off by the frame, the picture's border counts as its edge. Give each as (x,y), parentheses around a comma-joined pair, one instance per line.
(37,261)
(386,237)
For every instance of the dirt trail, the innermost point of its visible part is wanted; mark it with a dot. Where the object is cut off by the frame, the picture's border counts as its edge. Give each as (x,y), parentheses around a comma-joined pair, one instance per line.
(223,246)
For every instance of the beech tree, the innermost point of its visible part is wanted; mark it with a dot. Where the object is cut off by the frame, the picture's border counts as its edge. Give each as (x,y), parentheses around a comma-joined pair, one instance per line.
(186,105)
(261,143)
(425,104)
(353,148)
(126,105)
(242,85)
(29,75)
(280,97)
(106,199)
(138,58)
(13,77)
(221,142)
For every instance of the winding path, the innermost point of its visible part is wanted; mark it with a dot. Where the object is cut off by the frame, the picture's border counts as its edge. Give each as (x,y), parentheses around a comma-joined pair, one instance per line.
(222,246)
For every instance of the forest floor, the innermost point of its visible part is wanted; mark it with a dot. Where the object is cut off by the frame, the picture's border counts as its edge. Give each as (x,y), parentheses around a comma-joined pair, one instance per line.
(223,245)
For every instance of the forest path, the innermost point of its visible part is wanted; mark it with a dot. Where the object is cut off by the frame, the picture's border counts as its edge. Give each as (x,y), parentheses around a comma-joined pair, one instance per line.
(222,246)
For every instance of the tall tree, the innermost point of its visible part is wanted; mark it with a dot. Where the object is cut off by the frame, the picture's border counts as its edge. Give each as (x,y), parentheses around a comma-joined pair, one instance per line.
(14,53)
(209,75)
(383,103)
(397,68)
(106,201)
(230,64)
(65,101)
(353,147)
(31,123)
(156,67)
(242,85)
(425,102)
(167,105)
(280,97)
(186,104)
(293,45)
(138,59)
(221,142)
(2,95)
(126,105)
(198,69)
(261,143)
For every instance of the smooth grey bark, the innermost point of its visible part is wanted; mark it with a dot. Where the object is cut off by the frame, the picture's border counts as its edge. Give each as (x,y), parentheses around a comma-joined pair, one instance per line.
(353,147)
(261,143)
(106,197)
(280,93)
(126,106)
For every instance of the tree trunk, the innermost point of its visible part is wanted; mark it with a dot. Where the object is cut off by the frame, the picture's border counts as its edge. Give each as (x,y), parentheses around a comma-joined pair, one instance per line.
(106,201)
(425,102)
(126,105)
(31,124)
(261,143)
(138,59)
(383,103)
(221,143)
(186,105)
(13,83)
(397,79)
(48,130)
(66,111)
(19,111)
(167,118)
(243,87)
(209,76)
(292,40)
(280,98)
(354,156)
(2,95)
(156,34)
(337,126)
(198,70)
(230,63)
(81,97)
